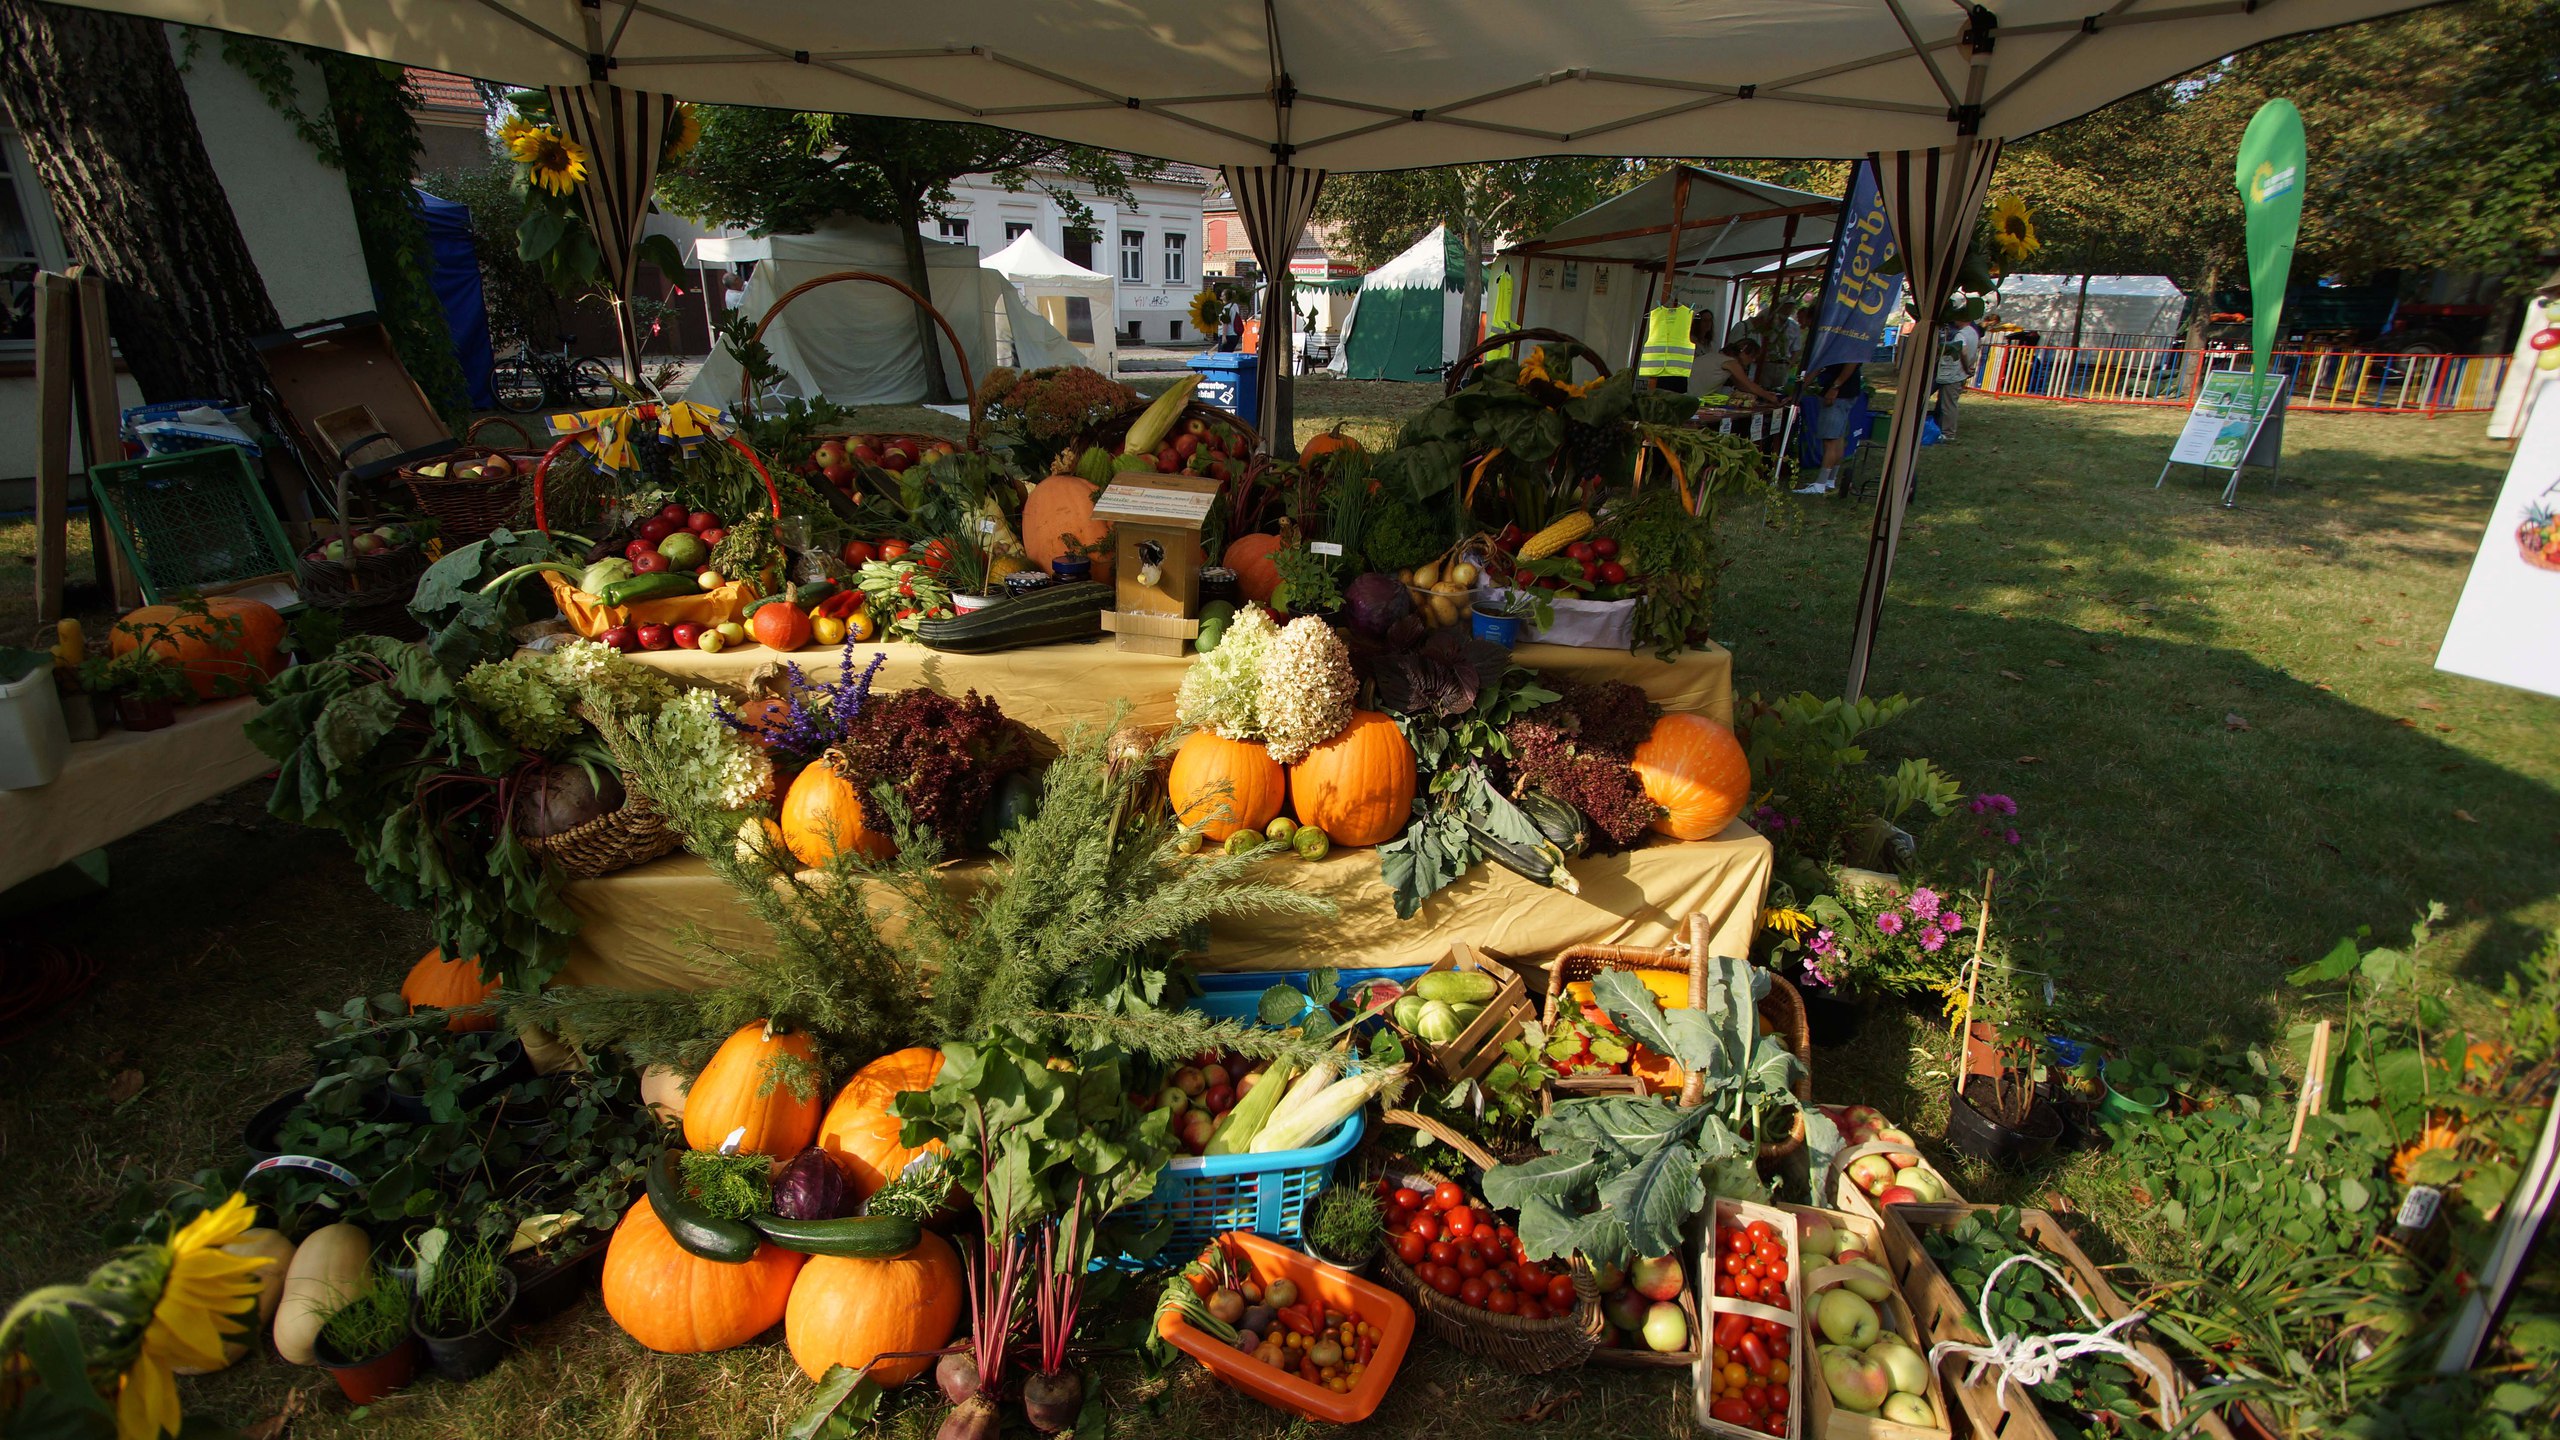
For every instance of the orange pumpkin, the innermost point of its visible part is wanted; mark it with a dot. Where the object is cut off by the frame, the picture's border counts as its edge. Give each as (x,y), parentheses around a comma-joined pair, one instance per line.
(1358,786)
(216,664)
(1224,785)
(780,626)
(435,983)
(1257,574)
(860,1134)
(1695,770)
(1331,442)
(751,1086)
(822,814)
(849,1311)
(676,1302)
(764,715)
(1058,507)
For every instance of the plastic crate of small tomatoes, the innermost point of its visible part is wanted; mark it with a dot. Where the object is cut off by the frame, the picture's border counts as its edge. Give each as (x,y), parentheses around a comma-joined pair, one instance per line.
(1286,1328)
(1747,1377)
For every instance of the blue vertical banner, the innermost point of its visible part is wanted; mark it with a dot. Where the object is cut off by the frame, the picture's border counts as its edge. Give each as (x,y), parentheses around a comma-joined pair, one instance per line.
(1863,285)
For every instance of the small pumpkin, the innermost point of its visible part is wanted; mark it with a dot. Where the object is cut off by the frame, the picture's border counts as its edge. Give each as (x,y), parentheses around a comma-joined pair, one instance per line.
(860,1134)
(1695,770)
(850,1311)
(751,1089)
(216,664)
(1224,785)
(764,715)
(1058,507)
(1257,574)
(327,1270)
(1358,786)
(435,983)
(676,1302)
(1331,442)
(822,814)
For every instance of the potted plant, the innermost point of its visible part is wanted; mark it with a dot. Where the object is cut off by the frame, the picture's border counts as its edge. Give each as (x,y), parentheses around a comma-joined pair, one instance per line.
(365,1343)
(1501,615)
(1077,560)
(145,688)
(1342,1226)
(466,1296)
(1999,1112)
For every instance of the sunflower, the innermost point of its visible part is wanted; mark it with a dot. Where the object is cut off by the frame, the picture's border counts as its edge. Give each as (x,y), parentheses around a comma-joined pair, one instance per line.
(513,132)
(1786,920)
(202,1296)
(2438,1134)
(551,160)
(684,132)
(2013,231)
(1208,311)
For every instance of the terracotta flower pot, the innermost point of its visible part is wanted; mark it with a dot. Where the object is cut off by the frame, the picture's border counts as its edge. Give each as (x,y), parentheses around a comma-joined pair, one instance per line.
(368,1380)
(135,713)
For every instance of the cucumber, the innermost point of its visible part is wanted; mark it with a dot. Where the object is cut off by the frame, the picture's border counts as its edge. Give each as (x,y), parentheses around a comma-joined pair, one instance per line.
(864,1237)
(732,1242)
(1457,987)
(1047,616)
(813,592)
(664,585)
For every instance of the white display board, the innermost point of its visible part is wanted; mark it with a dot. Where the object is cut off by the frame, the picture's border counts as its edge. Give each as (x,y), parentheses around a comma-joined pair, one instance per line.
(2238,421)
(2507,625)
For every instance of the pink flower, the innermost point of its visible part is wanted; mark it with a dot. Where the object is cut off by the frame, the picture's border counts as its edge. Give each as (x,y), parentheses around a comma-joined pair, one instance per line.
(1823,944)
(1932,940)
(1890,922)
(1951,922)
(2013,837)
(1924,903)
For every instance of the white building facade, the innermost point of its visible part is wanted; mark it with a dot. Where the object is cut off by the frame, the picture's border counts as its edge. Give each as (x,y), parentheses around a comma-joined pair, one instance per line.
(1153,249)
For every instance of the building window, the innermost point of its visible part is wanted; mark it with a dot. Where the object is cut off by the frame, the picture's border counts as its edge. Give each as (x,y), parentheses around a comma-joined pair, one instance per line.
(1173,329)
(1080,245)
(27,244)
(1133,257)
(956,231)
(1015,230)
(1133,331)
(1177,263)
(1217,235)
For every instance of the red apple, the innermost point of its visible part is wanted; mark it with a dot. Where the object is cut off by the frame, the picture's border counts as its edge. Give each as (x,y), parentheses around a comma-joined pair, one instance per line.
(654,637)
(1198,1129)
(1174,1098)
(1215,1074)
(1897,1195)
(713,536)
(1626,1309)
(1219,1098)
(1193,1083)
(864,455)
(1605,548)
(1581,550)
(685,634)
(1612,573)
(840,476)
(659,528)
(1168,463)
(673,512)
(1186,445)
(829,453)
(1658,1278)
(620,637)
(896,461)
(700,520)
(648,562)
(1195,426)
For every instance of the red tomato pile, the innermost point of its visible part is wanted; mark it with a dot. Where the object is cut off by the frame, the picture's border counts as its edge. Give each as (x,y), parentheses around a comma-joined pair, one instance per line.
(1461,1251)
(1750,1380)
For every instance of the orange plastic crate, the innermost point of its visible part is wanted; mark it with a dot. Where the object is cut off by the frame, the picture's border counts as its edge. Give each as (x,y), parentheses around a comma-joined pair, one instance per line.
(1337,1290)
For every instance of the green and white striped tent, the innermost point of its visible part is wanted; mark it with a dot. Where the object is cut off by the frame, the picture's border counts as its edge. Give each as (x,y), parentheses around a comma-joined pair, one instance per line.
(1404,326)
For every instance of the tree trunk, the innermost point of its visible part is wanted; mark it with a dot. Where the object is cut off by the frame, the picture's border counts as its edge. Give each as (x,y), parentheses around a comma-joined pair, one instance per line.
(1471,303)
(2199,316)
(106,121)
(937,391)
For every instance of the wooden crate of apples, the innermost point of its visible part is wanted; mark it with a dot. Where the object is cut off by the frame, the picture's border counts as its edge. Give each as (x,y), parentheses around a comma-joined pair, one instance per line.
(1879,1164)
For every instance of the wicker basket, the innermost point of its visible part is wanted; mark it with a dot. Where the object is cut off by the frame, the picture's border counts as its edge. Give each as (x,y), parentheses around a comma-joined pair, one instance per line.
(1525,1347)
(1113,433)
(468,509)
(1464,368)
(368,593)
(633,835)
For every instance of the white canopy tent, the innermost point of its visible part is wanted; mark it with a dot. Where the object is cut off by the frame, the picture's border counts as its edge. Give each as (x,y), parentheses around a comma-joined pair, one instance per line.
(2090,306)
(1077,303)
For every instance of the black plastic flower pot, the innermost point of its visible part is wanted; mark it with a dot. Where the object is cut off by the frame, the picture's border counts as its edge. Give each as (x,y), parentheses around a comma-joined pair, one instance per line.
(468,1357)
(1832,1019)
(412,1109)
(259,1136)
(558,1282)
(1356,1264)
(1971,1130)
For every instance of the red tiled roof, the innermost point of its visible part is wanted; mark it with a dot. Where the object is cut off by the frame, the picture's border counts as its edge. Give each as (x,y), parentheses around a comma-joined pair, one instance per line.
(439,91)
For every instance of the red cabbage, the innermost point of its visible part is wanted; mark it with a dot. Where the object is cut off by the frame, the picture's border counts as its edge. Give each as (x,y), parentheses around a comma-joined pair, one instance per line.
(1376,602)
(809,1188)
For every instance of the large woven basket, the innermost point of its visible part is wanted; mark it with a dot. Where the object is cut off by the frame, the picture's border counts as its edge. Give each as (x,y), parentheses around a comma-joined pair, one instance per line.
(1113,433)
(1524,1347)
(468,509)
(633,835)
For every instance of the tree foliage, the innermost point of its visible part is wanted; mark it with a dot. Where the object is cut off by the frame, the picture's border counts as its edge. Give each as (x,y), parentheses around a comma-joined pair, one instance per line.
(1375,216)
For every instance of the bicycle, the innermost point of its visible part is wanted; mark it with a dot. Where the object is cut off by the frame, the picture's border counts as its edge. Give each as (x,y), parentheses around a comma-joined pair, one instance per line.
(531,380)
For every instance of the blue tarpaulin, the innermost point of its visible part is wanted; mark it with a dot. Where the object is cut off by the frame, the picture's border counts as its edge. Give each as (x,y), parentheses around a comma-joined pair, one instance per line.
(457,282)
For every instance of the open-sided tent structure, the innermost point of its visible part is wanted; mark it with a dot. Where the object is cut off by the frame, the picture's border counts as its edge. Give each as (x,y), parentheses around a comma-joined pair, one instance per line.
(1077,303)
(1405,323)
(2071,309)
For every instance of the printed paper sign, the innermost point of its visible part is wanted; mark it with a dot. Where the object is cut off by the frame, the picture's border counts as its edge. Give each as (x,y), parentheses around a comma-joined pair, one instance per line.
(2507,626)
(2219,427)
(1124,501)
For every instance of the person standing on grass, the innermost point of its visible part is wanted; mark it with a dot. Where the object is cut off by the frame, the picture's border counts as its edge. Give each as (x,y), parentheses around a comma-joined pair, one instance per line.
(1839,388)
(1959,350)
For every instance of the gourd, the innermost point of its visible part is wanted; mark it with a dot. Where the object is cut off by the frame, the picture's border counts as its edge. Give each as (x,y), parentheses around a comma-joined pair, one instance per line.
(780,626)
(215,663)
(1051,615)
(695,1229)
(1016,799)
(860,1134)
(750,1086)
(822,814)
(1060,506)
(847,1310)
(1695,770)
(1257,574)
(1358,786)
(863,1237)
(1312,454)
(681,1304)
(328,1269)
(662,1089)
(272,1247)
(435,983)
(1223,785)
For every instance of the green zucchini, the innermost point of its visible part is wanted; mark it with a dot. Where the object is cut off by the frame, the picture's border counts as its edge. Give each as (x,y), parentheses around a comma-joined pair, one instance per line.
(1047,616)
(663,585)
(1559,822)
(699,1231)
(864,1237)
(1542,862)
(813,592)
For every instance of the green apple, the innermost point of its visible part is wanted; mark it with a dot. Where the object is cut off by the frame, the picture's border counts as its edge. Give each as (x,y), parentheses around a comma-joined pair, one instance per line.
(1847,1318)
(1909,1372)
(1903,1408)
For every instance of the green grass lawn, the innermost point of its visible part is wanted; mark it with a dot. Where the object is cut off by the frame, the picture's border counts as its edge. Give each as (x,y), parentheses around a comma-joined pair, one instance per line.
(2229,716)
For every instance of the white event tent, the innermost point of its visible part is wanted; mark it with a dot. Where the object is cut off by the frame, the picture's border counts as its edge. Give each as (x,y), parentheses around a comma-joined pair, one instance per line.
(1278,92)
(1078,303)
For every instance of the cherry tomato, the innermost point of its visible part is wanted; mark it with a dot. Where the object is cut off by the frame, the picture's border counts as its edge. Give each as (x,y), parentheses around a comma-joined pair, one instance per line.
(1755,1354)
(1730,1411)
(1502,1302)
(1560,1296)
(1445,1280)
(1761,1230)
(1756,1396)
(1474,1291)
(1755,1264)
(1730,1328)
(1443,1253)
(1387,1190)
(1410,1248)
(1776,1424)
(1530,1310)
(1505,1236)
(1447,1195)
(1407,1200)
(1459,1221)
(1427,1225)
(1470,1264)
(1529,1279)
(894,549)
(1776,1274)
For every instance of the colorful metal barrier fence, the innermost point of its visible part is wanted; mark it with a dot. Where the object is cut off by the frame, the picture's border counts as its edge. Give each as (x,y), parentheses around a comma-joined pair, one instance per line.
(2331,380)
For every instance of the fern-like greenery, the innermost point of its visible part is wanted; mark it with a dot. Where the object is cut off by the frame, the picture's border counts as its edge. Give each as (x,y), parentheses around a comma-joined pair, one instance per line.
(1068,933)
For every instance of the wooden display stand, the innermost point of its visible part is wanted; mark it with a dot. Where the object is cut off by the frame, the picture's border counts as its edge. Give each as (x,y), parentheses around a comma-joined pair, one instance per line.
(1157,557)
(74,376)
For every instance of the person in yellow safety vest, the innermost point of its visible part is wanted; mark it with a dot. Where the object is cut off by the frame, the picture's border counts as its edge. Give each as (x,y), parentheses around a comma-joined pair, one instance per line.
(1670,351)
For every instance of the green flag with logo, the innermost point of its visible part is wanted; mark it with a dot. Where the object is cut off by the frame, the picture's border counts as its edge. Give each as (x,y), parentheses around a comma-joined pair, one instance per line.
(2270,178)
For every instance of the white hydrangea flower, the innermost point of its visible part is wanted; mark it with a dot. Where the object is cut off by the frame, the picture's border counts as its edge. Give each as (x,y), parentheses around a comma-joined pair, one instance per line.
(1306,689)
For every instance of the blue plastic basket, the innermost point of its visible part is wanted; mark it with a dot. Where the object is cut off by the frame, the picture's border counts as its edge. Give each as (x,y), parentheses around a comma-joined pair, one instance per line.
(1208,1195)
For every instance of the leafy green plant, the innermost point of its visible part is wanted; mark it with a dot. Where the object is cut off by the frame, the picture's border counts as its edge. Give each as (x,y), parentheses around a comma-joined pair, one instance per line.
(142,674)
(146,673)
(732,1187)
(1456,732)
(1306,582)
(1346,1221)
(2096,1395)
(462,1281)
(372,1321)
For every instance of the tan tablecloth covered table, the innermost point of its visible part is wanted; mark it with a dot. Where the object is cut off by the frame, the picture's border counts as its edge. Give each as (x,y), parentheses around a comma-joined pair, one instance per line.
(1052,687)
(634,926)
(122,781)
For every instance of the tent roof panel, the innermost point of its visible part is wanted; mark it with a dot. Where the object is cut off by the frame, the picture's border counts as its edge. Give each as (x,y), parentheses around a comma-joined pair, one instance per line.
(1028,258)
(1729,225)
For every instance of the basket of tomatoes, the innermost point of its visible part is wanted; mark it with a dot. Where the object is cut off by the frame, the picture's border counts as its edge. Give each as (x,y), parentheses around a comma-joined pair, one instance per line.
(1748,1380)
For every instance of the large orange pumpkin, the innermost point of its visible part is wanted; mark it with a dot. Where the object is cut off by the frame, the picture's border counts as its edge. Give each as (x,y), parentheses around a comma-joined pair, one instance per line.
(1312,454)
(676,1302)
(1057,507)
(1695,770)
(860,1134)
(750,1085)
(215,664)
(822,814)
(1224,785)
(435,983)
(1257,574)
(1358,786)
(848,1311)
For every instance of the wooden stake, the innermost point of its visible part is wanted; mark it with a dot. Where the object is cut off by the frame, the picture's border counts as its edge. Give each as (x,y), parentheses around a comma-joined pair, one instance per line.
(57,323)
(1973,972)
(2315,1085)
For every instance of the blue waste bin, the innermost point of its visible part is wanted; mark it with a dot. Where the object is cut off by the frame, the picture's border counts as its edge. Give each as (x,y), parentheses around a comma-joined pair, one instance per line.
(1227,381)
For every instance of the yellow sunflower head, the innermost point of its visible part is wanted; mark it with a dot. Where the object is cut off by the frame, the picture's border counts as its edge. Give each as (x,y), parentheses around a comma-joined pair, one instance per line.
(205,1293)
(2439,1133)
(551,160)
(513,132)
(684,131)
(1786,920)
(2013,231)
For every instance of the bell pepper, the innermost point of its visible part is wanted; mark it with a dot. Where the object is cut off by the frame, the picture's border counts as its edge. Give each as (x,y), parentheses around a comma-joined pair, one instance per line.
(840,605)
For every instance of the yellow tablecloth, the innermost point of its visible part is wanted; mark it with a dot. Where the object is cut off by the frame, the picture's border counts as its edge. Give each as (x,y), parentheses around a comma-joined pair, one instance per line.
(1053,687)
(645,928)
(123,781)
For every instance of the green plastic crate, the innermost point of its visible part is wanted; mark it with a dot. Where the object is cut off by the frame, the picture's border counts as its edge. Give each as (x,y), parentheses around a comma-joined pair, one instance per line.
(193,521)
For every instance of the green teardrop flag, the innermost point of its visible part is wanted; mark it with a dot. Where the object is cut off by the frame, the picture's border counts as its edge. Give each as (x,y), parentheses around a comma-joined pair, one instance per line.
(2270,179)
